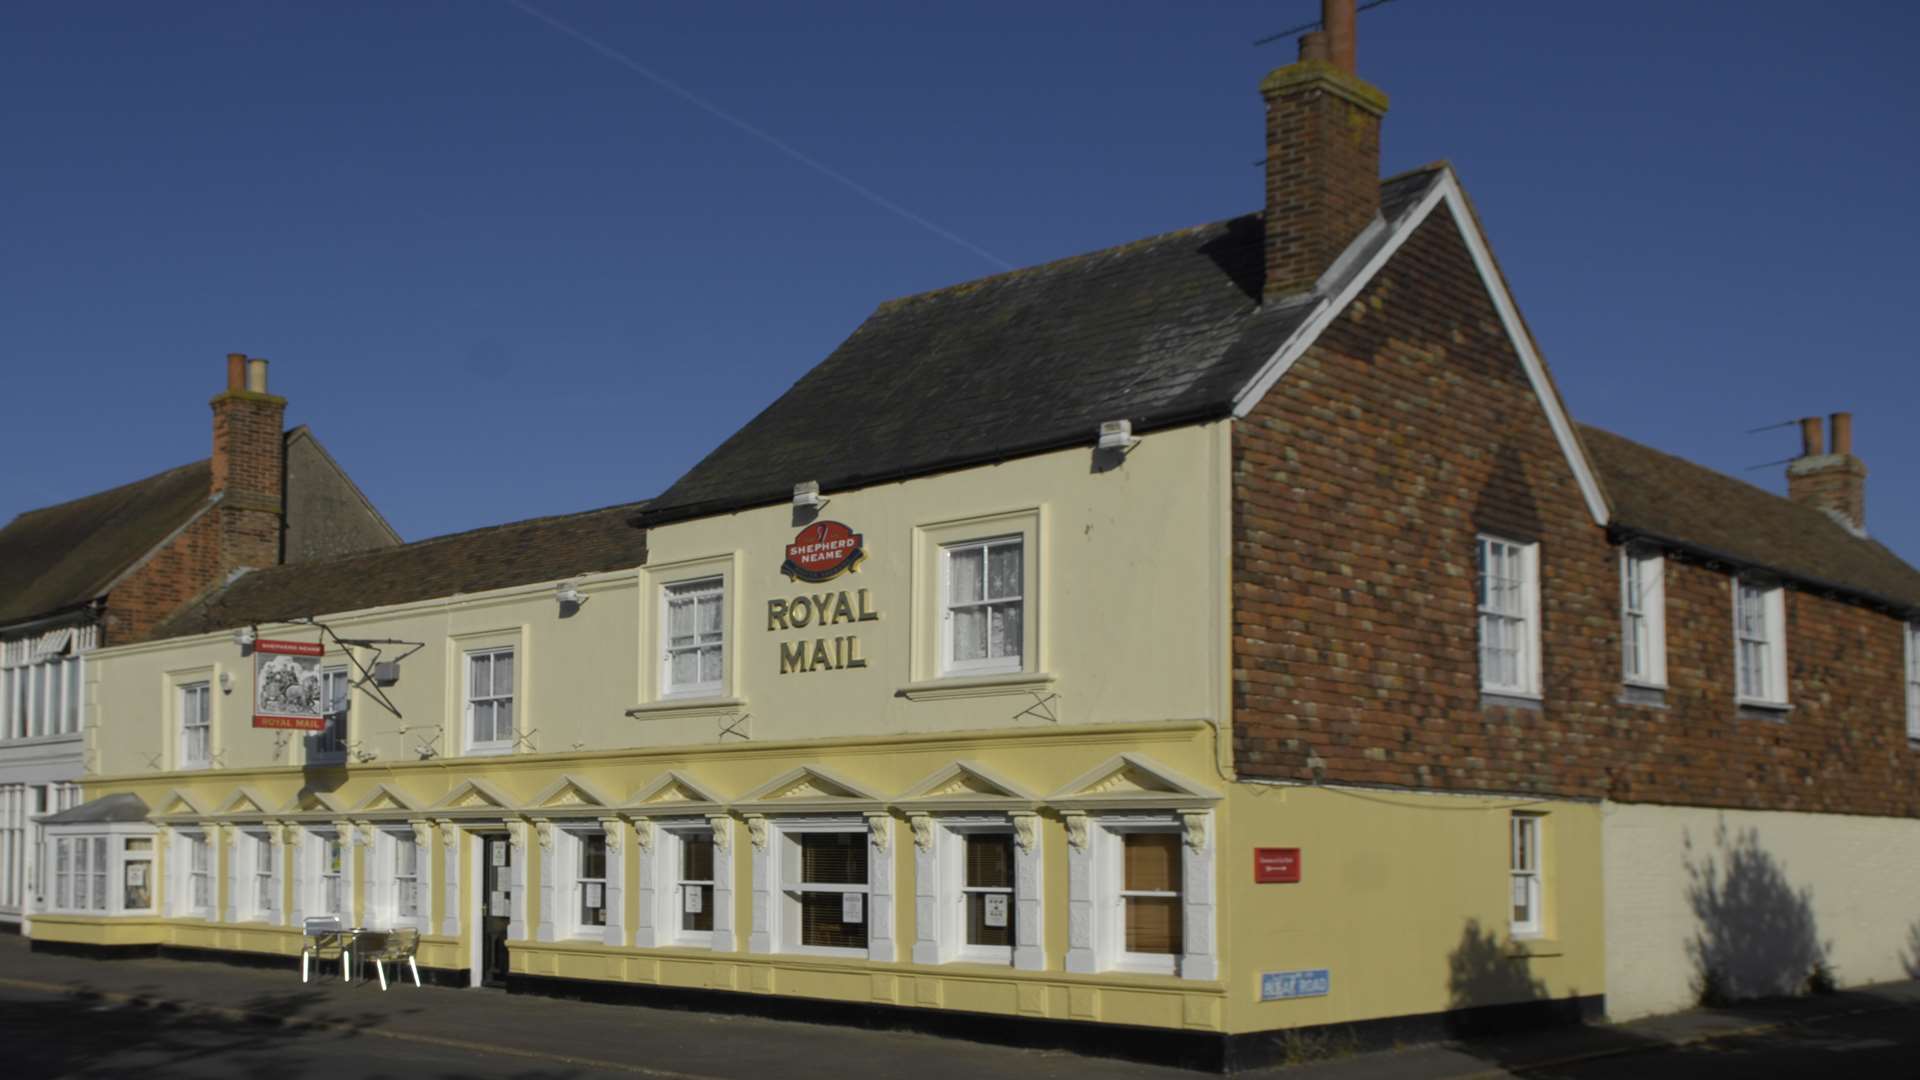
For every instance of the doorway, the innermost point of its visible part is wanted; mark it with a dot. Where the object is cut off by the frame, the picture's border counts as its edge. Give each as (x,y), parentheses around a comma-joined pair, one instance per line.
(495,898)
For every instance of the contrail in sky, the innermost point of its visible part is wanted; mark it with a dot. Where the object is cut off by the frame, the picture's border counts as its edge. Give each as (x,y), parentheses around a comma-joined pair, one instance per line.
(699,102)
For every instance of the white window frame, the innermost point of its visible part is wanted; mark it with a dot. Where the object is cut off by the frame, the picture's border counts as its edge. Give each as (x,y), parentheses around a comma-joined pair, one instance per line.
(952,839)
(315,850)
(1526,873)
(1913,681)
(988,665)
(470,699)
(1770,621)
(575,838)
(184,696)
(787,884)
(673,838)
(1643,618)
(82,882)
(261,900)
(197,877)
(385,883)
(330,746)
(1110,865)
(1521,616)
(694,591)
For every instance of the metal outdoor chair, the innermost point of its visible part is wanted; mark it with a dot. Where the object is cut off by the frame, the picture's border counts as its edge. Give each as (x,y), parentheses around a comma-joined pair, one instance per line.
(391,947)
(325,940)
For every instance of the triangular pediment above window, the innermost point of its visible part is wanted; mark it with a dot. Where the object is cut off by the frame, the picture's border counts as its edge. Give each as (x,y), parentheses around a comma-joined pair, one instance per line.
(384,797)
(569,793)
(474,795)
(178,803)
(1132,780)
(965,783)
(314,802)
(670,791)
(242,802)
(810,788)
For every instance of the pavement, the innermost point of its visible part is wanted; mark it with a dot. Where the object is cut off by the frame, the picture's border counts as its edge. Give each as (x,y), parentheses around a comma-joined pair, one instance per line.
(70,1016)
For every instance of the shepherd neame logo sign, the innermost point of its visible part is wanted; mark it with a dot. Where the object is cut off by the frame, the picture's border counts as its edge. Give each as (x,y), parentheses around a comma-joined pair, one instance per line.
(823,551)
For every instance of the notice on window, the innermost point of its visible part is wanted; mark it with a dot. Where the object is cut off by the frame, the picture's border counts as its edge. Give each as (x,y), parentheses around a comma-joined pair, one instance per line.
(498,905)
(593,895)
(498,852)
(136,875)
(853,907)
(692,902)
(996,913)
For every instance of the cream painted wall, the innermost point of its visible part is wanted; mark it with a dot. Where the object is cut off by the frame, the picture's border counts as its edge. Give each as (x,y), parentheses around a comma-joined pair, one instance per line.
(1404,898)
(1683,883)
(1127,624)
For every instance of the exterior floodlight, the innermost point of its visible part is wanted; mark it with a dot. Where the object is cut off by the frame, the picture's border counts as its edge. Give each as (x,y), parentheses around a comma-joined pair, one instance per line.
(806,495)
(1117,435)
(243,637)
(568,593)
(226,682)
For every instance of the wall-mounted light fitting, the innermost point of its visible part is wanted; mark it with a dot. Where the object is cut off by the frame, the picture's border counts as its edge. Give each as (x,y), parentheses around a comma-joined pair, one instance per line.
(806,495)
(568,593)
(244,637)
(226,682)
(1117,435)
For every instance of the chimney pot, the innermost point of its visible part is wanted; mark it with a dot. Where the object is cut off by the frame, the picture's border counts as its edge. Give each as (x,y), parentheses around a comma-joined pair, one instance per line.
(1313,46)
(1336,18)
(1842,432)
(257,375)
(1811,444)
(236,370)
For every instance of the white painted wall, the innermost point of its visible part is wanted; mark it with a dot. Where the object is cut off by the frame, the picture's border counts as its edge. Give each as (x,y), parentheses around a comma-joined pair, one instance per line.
(1759,893)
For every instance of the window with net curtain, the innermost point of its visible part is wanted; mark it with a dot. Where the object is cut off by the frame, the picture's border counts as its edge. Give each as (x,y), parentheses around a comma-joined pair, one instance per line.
(332,873)
(196,725)
(331,743)
(1150,892)
(832,866)
(490,698)
(985,605)
(695,637)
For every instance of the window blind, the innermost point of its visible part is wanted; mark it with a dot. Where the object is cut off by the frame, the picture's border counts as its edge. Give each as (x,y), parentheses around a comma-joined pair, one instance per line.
(1152,866)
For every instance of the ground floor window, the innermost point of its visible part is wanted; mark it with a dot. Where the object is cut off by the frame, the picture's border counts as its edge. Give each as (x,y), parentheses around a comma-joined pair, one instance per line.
(136,874)
(262,893)
(330,858)
(692,857)
(1146,904)
(80,873)
(198,900)
(589,882)
(1150,897)
(1523,873)
(825,888)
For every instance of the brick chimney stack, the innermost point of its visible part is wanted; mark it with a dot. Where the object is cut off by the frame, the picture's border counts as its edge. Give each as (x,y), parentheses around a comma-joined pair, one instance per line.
(1323,154)
(249,466)
(1833,480)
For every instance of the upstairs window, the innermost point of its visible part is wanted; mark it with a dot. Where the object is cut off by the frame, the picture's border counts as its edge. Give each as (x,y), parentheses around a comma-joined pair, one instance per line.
(1760,642)
(490,701)
(1509,603)
(1643,630)
(196,725)
(331,744)
(695,616)
(1913,681)
(984,587)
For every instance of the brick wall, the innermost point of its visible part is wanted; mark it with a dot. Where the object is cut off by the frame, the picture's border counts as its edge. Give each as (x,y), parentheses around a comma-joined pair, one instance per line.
(177,573)
(1360,484)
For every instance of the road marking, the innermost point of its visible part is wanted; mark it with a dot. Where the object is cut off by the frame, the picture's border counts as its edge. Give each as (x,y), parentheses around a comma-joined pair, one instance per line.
(345,1028)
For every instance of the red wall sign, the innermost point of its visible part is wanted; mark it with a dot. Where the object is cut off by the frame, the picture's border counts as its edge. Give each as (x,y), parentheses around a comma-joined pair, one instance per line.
(1276,865)
(823,551)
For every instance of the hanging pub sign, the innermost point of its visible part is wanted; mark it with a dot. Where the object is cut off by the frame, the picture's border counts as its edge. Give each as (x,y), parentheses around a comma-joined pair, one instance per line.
(823,551)
(286,686)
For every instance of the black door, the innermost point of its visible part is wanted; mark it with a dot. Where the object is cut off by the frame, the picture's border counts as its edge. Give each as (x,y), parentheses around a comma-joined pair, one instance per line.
(496,902)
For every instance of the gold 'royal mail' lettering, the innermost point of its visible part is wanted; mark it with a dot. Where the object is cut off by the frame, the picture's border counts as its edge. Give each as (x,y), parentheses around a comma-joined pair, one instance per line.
(825,609)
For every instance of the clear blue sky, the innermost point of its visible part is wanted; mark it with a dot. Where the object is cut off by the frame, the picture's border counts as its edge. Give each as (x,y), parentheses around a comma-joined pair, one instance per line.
(503,275)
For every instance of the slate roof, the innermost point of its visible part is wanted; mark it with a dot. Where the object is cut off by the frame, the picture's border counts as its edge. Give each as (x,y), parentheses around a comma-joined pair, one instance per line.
(1672,499)
(538,549)
(60,557)
(121,806)
(1162,331)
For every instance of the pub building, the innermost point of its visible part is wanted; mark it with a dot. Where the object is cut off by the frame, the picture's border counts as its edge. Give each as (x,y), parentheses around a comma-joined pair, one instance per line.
(1153,652)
